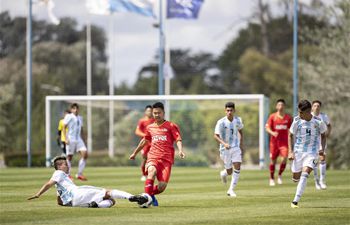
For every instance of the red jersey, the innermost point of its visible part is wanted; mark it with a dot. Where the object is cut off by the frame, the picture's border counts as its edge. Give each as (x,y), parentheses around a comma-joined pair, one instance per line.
(144,122)
(162,138)
(281,126)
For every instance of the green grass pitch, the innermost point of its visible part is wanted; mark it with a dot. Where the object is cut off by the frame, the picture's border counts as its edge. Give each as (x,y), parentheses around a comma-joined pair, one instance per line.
(193,196)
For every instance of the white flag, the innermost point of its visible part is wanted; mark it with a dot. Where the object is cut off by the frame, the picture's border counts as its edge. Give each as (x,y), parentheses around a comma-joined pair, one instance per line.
(50,5)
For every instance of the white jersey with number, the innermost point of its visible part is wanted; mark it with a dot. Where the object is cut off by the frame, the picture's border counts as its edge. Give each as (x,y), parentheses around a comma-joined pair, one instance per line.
(307,134)
(228,131)
(324,117)
(65,187)
(74,123)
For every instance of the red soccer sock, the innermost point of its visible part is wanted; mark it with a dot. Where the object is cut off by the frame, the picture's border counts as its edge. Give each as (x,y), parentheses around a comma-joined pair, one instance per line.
(282,168)
(155,190)
(272,171)
(149,186)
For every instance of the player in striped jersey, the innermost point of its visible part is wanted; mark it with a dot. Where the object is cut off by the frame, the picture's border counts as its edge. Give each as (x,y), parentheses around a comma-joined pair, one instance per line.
(229,134)
(316,111)
(68,194)
(304,145)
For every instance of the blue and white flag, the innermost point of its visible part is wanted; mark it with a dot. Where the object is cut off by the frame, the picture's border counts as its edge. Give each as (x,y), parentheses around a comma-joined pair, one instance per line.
(107,7)
(185,9)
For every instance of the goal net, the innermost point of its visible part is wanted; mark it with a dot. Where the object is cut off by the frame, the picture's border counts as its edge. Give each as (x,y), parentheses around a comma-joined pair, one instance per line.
(110,123)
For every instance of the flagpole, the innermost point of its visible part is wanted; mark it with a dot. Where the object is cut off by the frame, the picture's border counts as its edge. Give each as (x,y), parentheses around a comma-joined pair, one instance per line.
(295,58)
(88,83)
(111,89)
(29,83)
(161,51)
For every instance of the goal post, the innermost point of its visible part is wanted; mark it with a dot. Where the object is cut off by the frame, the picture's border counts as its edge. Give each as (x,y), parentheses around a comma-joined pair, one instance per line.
(196,105)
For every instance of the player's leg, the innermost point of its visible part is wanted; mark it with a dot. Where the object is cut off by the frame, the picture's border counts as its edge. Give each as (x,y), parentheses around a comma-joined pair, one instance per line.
(323,167)
(163,176)
(143,164)
(273,158)
(118,194)
(225,157)
(283,152)
(308,163)
(82,162)
(236,159)
(316,178)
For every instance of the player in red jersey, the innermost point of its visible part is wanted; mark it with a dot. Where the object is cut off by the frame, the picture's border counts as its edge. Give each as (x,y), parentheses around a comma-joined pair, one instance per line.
(141,132)
(162,134)
(277,126)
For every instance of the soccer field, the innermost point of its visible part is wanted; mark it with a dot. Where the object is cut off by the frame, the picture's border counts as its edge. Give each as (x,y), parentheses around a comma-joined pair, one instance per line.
(193,196)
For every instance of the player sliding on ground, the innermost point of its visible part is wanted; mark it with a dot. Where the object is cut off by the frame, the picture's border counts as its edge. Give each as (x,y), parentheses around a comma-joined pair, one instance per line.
(229,133)
(82,196)
(162,134)
(304,145)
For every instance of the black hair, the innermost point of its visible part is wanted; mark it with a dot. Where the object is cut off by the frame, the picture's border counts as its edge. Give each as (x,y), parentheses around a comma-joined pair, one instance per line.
(230,105)
(317,101)
(74,105)
(148,107)
(158,105)
(67,111)
(56,160)
(281,100)
(304,105)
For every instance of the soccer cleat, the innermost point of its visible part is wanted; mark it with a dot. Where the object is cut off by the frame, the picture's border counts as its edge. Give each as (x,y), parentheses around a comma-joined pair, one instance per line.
(272,182)
(139,199)
(317,185)
(231,193)
(279,180)
(154,201)
(92,205)
(294,205)
(143,178)
(81,177)
(223,177)
(323,186)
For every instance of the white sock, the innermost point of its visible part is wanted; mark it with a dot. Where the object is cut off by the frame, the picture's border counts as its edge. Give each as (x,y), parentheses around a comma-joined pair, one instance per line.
(69,166)
(316,175)
(323,166)
(301,186)
(105,203)
(234,180)
(116,194)
(223,173)
(82,163)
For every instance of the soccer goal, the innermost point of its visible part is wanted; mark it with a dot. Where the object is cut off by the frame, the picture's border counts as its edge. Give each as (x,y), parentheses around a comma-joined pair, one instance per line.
(110,122)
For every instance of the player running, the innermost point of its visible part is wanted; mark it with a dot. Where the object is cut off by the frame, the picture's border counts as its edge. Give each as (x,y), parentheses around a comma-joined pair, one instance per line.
(229,134)
(141,132)
(162,134)
(320,183)
(68,194)
(61,139)
(304,145)
(74,140)
(277,126)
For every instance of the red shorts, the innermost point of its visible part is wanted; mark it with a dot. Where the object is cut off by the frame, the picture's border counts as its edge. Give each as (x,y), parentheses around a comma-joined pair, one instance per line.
(163,168)
(145,150)
(276,151)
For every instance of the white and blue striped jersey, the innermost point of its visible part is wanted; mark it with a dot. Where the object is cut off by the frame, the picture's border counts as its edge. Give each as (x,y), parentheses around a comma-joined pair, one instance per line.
(307,134)
(64,186)
(324,117)
(228,131)
(74,123)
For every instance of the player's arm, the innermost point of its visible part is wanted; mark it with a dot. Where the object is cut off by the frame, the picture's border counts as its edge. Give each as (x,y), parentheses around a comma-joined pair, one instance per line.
(43,189)
(140,146)
(329,129)
(139,133)
(241,145)
(323,143)
(272,133)
(220,141)
(179,146)
(290,146)
(82,134)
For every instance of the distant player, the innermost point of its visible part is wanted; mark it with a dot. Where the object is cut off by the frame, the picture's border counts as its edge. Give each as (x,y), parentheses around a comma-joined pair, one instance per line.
(316,111)
(162,134)
(141,132)
(74,139)
(277,126)
(68,194)
(61,139)
(229,134)
(304,145)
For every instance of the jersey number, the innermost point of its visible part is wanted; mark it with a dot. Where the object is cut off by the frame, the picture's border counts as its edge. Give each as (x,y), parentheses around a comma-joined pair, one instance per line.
(308,132)
(231,131)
